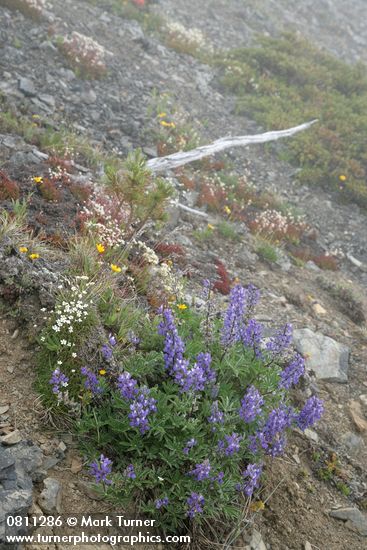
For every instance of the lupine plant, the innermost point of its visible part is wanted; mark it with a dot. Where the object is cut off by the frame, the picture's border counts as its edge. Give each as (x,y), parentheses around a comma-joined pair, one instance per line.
(182,417)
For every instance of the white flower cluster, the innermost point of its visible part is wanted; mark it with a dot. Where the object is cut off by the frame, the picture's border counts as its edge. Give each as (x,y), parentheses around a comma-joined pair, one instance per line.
(71,312)
(270,221)
(167,280)
(148,255)
(85,51)
(191,37)
(100,222)
(36,6)
(171,283)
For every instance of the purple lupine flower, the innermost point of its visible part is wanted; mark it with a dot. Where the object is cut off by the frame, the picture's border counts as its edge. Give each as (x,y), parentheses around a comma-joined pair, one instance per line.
(252,296)
(251,336)
(100,469)
(194,380)
(160,502)
(133,338)
(129,472)
(205,293)
(220,478)
(201,471)
(203,360)
(292,372)
(179,371)
(189,445)
(242,302)
(58,381)
(233,319)
(112,340)
(230,444)
(271,436)
(190,379)
(311,412)
(140,409)
(251,404)
(127,386)
(107,352)
(251,479)
(173,345)
(281,340)
(195,503)
(91,382)
(216,417)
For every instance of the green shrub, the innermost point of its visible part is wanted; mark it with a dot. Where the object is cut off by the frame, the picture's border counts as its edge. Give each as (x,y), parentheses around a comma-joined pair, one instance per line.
(286,81)
(267,252)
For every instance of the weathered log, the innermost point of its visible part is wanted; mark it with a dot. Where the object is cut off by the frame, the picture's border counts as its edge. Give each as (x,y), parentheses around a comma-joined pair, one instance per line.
(164,164)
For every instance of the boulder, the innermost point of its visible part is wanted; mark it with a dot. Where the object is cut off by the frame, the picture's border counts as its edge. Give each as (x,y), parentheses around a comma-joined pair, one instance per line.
(328,359)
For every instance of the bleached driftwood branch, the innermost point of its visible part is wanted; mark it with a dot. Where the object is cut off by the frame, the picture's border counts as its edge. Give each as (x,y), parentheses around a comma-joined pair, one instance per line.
(163,164)
(192,210)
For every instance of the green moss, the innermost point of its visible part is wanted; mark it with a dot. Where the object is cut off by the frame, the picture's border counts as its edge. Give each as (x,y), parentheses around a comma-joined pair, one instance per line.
(285,81)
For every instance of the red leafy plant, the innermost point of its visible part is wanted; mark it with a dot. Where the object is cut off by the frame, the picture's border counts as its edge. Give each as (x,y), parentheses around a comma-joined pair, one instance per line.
(223,284)
(8,188)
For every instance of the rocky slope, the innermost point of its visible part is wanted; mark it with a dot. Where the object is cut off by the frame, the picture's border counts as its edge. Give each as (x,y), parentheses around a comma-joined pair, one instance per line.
(113,113)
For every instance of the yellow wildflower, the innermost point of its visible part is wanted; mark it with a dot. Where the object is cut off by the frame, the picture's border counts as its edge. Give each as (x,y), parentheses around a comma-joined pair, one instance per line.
(167,124)
(102,372)
(227,210)
(162,115)
(100,248)
(169,263)
(34,256)
(257,506)
(23,249)
(236,280)
(182,306)
(342,177)
(38,179)
(210,226)
(115,268)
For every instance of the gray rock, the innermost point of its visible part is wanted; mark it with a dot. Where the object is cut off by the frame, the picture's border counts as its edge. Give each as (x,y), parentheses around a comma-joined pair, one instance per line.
(50,498)
(256,542)
(311,435)
(356,521)
(324,356)
(191,197)
(283,260)
(22,158)
(89,97)
(12,438)
(311,266)
(48,99)
(27,87)
(183,240)
(353,442)
(245,257)
(17,469)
